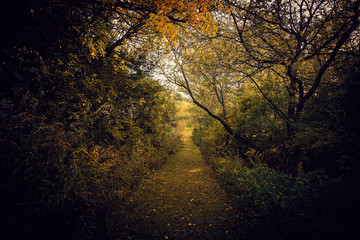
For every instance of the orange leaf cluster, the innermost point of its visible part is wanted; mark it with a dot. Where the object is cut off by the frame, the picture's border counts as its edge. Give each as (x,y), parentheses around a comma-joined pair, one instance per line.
(191,12)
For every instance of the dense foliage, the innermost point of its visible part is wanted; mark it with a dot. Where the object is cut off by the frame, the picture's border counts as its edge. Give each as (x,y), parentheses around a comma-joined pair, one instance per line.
(278,127)
(279,206)
(78,131)
(276,85)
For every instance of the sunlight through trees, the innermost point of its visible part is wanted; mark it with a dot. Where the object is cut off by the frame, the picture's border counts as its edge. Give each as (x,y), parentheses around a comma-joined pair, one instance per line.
(270,89)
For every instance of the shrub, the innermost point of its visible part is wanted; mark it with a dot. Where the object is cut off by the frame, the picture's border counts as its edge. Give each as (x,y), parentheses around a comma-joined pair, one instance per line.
(280,206)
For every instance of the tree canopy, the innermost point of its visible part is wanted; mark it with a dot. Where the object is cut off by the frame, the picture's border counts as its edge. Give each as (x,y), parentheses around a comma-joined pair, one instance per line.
(270,89)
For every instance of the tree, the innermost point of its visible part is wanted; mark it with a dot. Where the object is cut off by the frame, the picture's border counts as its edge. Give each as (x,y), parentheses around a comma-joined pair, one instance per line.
(78,127)
(290,52)
(299,40)
(197,68)
(132,16)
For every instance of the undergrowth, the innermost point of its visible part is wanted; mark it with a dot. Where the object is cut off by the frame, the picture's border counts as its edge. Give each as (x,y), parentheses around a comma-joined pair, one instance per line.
(281,206)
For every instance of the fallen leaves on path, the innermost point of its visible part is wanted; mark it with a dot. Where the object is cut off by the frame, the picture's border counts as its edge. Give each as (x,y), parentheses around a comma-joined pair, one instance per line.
(181,201)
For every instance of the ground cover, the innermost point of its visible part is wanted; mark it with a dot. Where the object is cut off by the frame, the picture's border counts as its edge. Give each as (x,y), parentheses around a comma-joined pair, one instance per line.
(181,201)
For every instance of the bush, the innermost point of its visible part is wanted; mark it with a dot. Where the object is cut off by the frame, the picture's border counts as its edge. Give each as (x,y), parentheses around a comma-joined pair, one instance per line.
(279,206)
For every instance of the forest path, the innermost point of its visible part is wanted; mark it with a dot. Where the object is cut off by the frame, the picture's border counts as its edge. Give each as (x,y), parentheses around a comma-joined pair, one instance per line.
(180,201)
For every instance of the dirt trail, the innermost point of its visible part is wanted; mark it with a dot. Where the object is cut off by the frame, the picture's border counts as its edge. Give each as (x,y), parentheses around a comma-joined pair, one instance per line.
(181,201)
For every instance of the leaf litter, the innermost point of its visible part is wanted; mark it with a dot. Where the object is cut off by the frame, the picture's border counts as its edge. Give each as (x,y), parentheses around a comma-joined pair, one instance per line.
(180,201)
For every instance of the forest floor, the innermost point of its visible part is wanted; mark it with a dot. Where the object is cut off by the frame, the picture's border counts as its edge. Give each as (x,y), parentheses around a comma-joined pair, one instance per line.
(180,201)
